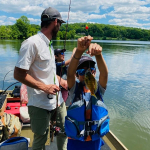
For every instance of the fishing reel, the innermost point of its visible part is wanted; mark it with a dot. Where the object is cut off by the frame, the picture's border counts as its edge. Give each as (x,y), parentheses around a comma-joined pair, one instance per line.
(55,130)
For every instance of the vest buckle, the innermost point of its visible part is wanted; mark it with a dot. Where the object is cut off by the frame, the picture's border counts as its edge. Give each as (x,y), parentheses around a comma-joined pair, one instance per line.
(89,123)
(91,132)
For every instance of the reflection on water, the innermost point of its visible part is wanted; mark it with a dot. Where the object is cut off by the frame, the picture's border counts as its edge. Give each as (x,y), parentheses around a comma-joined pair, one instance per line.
(128,90)
(127,95)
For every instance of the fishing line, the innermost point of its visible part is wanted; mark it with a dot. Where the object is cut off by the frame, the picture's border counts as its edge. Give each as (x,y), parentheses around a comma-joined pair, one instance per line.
(65,38)
(5,77)
(48,95)
(67,25)
(57,94)
(9,87)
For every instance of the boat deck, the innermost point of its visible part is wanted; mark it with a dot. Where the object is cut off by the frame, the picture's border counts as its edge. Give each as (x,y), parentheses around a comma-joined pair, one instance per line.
(111,141)
(53,146)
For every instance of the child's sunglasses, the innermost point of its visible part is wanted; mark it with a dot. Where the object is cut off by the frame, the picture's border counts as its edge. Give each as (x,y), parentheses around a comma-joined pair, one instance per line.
(81,72)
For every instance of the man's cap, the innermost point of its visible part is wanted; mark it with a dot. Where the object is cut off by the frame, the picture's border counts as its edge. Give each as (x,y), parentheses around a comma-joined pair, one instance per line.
(58,51)
(86,61)
(50,14)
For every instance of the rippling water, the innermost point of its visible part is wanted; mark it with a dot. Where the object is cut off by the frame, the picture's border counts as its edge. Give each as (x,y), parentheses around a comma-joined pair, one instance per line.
(128,90)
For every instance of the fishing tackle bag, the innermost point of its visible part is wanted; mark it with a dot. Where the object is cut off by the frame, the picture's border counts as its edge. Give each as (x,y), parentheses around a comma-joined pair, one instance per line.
(10,126)
(15,143)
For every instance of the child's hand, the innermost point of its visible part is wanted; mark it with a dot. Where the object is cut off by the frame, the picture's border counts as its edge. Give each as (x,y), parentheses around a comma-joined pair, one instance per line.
(83,43)
(94,49)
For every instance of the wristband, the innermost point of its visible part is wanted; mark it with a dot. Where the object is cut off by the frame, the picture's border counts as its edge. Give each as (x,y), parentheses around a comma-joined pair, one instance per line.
(76,57)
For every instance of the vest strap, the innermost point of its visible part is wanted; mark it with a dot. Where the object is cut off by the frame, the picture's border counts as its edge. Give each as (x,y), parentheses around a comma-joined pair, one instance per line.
(91,132)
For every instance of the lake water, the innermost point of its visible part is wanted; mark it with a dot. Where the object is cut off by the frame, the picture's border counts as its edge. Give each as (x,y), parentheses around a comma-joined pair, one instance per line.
(128,90)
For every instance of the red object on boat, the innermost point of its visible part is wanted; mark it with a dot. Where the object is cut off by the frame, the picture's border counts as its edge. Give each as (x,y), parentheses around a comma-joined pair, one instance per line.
(23,94)
(64,94)
(14,108)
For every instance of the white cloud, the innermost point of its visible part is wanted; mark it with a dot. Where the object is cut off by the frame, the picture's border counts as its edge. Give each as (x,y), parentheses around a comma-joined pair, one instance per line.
(85,10)
(3,17)
(81,17)
(126,22)
(130,23)
(12,18)
(4,20)
(32,20)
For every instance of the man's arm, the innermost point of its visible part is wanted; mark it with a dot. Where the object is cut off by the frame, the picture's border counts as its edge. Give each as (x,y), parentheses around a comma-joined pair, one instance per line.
(22,76)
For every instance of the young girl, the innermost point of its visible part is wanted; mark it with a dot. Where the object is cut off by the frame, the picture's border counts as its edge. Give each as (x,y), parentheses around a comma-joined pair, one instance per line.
(84,116)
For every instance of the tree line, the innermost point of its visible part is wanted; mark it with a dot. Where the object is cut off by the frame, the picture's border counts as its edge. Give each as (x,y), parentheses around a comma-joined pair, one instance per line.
(22,29)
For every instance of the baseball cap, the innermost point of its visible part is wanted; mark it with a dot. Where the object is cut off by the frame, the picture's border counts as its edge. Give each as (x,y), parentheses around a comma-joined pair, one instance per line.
(85,61)
(51,14)
(57,51)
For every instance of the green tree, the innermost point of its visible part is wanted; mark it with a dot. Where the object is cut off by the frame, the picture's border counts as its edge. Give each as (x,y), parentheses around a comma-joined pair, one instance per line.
(23,25)
(14,32)
(3,33)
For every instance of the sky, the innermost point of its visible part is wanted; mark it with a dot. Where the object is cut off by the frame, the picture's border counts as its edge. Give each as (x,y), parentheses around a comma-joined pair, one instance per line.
(129,13)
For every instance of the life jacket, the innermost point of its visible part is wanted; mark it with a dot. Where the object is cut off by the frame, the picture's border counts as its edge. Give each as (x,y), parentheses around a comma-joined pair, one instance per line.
(87,116)
(61,69)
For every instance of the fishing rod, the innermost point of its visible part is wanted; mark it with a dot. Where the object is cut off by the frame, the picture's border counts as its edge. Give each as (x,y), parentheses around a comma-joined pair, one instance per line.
(8,88)
(53,128)
(5,77)
(65,38)
(67,25)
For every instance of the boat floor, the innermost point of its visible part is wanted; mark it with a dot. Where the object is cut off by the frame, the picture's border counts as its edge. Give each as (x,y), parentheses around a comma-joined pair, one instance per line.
(53,146)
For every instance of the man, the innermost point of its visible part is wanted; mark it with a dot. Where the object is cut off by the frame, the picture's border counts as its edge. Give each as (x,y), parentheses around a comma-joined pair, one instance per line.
(36,68)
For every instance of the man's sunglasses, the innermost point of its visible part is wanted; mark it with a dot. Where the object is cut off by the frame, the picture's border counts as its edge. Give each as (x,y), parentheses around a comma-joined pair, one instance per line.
(59,21)
(81,72)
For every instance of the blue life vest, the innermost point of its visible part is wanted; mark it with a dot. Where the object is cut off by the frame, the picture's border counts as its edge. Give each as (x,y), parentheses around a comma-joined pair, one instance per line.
(87,117)
(61,69)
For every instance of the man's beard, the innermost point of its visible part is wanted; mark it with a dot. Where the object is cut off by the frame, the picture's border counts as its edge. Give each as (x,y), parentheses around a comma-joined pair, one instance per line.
(55,31)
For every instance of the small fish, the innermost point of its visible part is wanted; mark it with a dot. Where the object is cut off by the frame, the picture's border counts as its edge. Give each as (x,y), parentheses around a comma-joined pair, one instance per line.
(90,82)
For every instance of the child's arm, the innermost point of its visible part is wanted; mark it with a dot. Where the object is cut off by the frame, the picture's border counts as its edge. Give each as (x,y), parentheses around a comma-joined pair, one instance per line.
(96,50)
(103,70)
(68,61)
(82,44)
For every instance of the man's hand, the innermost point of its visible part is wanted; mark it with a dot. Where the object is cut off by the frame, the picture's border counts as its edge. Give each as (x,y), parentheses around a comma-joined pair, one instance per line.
(62,82)
(83,43)
(51,89)
(94,49)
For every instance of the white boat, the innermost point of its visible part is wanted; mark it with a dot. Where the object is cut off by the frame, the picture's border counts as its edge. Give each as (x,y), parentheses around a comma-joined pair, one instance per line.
(111,141)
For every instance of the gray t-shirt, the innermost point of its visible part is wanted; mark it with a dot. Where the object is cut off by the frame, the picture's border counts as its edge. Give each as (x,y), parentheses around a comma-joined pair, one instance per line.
(71,94)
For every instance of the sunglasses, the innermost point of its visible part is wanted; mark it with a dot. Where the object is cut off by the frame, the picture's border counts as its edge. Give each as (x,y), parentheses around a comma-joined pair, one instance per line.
(58,21)
(81,72)
(61,53)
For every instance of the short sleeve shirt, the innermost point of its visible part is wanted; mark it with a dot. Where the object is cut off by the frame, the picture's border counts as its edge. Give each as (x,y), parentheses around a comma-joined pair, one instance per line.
(35,56)
(72,93)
